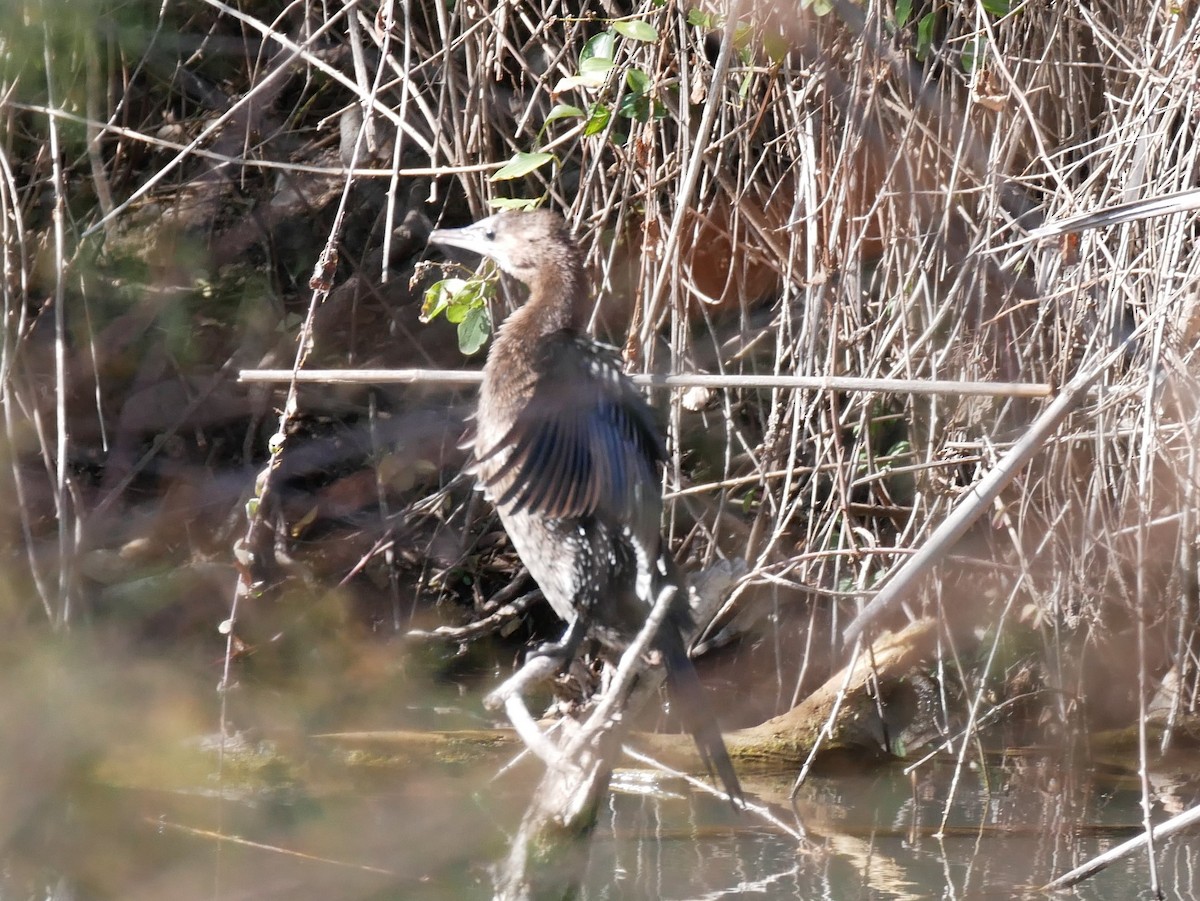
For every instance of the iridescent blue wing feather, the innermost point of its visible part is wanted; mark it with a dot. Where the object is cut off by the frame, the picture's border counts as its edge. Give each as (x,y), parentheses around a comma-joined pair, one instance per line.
(585,443)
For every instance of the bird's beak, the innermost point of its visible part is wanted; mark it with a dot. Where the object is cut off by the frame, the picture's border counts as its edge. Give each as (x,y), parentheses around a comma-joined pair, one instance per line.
(475,237)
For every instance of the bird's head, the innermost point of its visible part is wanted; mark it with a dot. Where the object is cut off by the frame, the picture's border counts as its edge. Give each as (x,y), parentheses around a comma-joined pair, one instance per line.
(522,243)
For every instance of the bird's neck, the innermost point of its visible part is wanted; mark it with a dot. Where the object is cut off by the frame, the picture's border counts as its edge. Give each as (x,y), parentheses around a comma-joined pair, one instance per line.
(513,365)
(556,303)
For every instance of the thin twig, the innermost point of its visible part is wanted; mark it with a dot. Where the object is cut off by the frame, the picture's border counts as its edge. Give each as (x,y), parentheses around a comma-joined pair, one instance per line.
(1177,823)
(454,377)
(978,498)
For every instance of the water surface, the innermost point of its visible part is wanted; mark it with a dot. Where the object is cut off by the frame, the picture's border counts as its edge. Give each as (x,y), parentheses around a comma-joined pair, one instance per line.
(114,788)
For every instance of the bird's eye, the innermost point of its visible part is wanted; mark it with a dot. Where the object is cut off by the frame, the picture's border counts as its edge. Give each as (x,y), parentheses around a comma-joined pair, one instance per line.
(490,234)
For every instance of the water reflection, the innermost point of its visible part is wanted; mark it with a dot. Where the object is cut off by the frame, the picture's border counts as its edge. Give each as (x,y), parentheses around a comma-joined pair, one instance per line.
(108,793)
(1008,829)
(880,836)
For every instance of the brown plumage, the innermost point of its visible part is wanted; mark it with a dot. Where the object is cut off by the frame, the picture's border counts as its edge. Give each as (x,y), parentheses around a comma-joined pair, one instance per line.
(568,450)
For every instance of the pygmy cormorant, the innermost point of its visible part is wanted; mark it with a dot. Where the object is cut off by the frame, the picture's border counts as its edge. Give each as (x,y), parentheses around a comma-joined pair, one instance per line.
(568,450)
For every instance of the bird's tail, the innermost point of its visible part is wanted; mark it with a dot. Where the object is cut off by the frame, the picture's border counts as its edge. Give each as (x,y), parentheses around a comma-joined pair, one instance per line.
(688,696)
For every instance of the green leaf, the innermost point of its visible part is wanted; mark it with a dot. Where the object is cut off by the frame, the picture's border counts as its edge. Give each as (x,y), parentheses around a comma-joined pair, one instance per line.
(595,66)
(438,297)
(563,111)
(598,117)
(744,88)
(560,111)
(464,301)
(522,163)
(595,62)
(635,104)
(602,46)
(513,203)
(593,80)
(972,53)
(925,35)
(637,80)
(743,33)
(473,331)
(700,18)
(593,73)
(636,30)
(997,7)
(776,46)
(903,11)
(456,298)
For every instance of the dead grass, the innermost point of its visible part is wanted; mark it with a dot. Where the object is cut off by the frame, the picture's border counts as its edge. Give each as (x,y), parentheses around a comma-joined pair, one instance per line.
(813,201)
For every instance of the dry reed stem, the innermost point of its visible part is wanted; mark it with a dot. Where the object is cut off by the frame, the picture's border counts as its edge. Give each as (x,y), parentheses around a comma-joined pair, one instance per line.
(456,377)
(885,201)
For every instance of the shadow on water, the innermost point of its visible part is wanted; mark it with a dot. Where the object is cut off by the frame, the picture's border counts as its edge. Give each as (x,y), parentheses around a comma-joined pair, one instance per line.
(110,790)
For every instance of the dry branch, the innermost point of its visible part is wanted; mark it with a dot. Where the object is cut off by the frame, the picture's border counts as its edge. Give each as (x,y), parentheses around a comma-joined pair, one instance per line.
(454,377)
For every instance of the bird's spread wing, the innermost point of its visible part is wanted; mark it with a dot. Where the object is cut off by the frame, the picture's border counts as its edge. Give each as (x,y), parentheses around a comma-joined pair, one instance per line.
(585,442)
